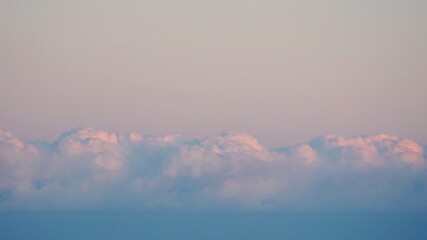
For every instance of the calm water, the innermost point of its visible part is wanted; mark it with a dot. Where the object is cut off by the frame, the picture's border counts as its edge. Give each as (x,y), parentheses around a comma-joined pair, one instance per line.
(269,226)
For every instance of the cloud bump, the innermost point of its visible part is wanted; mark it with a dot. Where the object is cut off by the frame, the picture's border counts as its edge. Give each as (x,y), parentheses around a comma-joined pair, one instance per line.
(91,169)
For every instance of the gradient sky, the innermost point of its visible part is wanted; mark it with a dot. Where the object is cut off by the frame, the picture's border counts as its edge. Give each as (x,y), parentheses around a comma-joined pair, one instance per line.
(285,71)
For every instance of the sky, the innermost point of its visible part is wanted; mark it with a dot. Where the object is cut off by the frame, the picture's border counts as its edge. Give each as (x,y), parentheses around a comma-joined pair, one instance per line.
(69,226)
(202,119)
(284,71)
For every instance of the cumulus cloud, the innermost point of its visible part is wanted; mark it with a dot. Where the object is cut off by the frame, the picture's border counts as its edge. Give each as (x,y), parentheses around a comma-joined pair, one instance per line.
(91,169)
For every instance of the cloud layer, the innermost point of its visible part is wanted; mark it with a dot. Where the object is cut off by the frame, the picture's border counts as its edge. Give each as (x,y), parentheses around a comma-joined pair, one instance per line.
(91,169)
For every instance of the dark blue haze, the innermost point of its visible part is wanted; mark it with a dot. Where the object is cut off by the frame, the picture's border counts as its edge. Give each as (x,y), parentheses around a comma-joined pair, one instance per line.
(250,226)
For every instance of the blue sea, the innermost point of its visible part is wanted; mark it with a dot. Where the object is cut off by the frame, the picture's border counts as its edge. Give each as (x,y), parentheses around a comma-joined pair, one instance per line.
(211,226)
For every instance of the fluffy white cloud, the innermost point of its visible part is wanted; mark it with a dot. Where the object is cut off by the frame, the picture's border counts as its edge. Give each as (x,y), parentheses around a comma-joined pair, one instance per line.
(90,169)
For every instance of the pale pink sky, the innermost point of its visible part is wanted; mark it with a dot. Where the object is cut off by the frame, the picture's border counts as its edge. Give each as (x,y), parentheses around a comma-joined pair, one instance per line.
(284,71)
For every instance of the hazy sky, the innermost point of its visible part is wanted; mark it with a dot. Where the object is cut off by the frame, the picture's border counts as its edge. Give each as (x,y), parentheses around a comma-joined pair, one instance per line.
(285,71)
